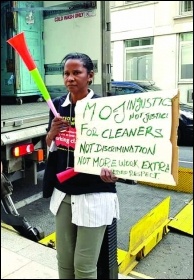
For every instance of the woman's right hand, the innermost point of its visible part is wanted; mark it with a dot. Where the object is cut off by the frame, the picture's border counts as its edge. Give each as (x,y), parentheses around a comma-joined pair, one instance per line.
(58,125)
(107,175)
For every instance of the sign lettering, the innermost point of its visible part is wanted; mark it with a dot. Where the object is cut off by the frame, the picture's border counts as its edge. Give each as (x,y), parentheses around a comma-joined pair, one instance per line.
(134,135)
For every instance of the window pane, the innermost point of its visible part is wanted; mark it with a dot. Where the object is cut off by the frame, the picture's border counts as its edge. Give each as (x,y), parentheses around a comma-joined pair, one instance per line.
(139,42)
(139,66)
(186,36)
(134,43)
(139,58)
(186,55)
(187,62)
(186,6)
(145,42)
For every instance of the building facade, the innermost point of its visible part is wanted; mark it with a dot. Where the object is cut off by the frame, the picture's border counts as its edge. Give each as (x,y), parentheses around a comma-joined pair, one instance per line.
(153,40)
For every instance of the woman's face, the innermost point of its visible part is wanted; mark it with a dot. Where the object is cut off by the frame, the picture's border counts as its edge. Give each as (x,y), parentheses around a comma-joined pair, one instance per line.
(76,77)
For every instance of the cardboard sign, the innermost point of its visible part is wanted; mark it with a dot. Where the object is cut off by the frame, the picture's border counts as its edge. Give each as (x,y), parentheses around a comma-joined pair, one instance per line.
(134,135)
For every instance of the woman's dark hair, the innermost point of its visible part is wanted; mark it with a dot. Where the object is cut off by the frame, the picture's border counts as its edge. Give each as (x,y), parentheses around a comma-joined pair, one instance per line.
(84,58)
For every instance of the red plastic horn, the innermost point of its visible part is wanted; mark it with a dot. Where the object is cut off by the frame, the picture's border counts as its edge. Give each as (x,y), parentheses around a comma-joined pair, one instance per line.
(18,42)
(65,175)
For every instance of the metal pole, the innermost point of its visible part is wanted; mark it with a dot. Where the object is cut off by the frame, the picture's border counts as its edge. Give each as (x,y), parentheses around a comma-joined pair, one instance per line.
(107,267)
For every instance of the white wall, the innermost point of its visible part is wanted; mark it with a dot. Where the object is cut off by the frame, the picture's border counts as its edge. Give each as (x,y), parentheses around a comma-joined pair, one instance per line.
(118,61)
(164,61)
(132,23)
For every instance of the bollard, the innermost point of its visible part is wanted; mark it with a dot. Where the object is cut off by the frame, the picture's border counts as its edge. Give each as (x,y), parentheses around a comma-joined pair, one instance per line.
(107,267)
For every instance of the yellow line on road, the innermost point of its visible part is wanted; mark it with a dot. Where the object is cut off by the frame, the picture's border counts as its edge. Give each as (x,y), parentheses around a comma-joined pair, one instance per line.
(8,227)
(140,275)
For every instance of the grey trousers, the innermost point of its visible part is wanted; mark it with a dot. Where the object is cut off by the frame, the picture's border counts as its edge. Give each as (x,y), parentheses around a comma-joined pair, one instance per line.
(78,247)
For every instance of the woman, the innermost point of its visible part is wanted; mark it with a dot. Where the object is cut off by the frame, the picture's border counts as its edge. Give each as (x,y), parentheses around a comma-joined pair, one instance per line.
(85,204)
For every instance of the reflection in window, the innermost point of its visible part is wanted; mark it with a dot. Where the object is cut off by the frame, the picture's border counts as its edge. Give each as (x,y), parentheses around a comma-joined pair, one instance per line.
(186,56)
(139,59)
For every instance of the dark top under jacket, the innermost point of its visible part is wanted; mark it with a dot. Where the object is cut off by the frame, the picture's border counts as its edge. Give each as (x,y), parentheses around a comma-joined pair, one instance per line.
(81,183)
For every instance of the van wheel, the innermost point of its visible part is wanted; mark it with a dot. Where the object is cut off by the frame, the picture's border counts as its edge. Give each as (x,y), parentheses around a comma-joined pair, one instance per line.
(19,101)
(40,99)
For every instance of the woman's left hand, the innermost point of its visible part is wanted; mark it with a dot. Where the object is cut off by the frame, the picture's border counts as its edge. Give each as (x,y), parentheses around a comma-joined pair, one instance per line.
(107,176)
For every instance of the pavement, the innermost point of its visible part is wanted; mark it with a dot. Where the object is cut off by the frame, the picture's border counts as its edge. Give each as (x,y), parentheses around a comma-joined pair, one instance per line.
(22,258)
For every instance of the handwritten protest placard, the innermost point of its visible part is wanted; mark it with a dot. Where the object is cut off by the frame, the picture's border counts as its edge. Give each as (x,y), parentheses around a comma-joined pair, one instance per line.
(134,135)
